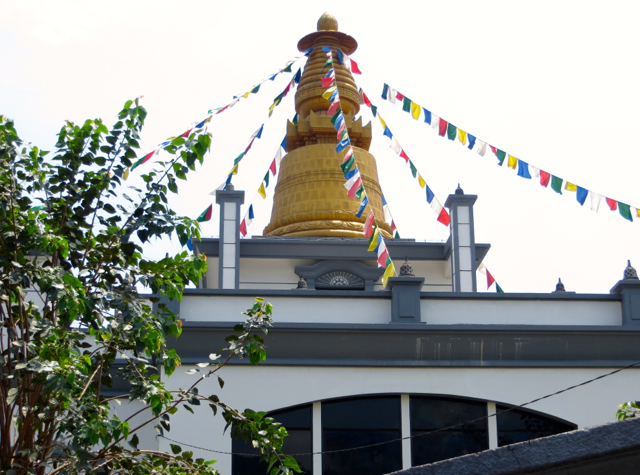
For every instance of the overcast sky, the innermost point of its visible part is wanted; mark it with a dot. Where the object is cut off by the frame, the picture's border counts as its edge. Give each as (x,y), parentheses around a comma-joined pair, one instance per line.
(554,83)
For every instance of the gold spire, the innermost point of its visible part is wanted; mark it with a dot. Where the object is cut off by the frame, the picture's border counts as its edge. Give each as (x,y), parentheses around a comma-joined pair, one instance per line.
(310,197)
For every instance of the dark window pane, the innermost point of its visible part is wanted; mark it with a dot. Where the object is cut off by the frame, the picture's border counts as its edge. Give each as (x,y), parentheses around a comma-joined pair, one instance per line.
(437,413)
(445,445)
(298,424)
(362,413)
(376,460)
(521,425)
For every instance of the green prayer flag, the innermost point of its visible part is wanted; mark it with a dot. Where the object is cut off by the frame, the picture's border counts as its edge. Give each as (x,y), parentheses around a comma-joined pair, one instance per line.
(501,156)
(452,131)
(238,158)
(346,166)
(328,63)
(499,289)
(373,233)
(414,171)
(406,104)
(556,184)
(287,69)
(625,211)
(359,192)
(295,120)
(374,111)
(255,89)
(396,235)
(266,180)
(335,116)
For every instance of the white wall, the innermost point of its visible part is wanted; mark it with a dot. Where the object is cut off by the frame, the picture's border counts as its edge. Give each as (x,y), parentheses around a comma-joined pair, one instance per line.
(269,388)
(288,309)
(146,434)
(514,312)
(270,273)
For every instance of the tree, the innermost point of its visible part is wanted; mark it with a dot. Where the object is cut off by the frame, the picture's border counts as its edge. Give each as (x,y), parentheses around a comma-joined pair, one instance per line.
(71,264)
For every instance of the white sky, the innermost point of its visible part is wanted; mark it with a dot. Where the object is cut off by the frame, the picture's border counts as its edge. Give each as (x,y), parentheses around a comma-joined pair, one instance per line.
(554,83)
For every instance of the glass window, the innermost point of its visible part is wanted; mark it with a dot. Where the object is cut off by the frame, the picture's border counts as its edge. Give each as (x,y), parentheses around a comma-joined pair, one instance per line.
(297,420)
(357,422)
(519,425)
(433,413)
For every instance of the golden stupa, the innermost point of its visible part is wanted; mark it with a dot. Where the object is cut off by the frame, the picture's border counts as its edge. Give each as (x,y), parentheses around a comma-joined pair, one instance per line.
(310,198)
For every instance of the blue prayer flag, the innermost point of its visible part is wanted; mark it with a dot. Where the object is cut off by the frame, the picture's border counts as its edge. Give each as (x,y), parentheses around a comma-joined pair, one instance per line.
(472,140)
(284,143)
(581,195)
(384,91)
(387,132)
(189,244)
(273,77)
(427,115)
(523,170)
(430,195)
(340,57)
(298,76)
(363,205)
(251,215)
(350,174)
(326,49)
(342,145)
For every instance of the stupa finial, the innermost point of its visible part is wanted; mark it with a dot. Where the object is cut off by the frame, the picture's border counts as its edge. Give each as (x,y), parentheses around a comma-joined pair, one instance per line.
(327,22)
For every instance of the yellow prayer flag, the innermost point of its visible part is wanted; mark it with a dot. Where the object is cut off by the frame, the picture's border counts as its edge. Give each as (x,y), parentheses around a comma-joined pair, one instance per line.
(234,170)
(246,94)
(125,175)
(462,136)
(638,212)
(390,271)
(415,110)
(262,191)
(382,122)
(422,182)
(570,187)
(513,161)
(329,92)
(374,239)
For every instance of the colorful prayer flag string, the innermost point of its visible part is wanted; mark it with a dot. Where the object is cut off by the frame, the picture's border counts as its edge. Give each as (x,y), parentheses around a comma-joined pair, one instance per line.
(441,212)
(490,279)
(354,184)
(524,169)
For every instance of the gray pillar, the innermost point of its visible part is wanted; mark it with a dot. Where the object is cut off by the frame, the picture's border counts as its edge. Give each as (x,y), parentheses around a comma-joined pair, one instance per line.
(229,253)
(405,299)
(630,291)
(463,241)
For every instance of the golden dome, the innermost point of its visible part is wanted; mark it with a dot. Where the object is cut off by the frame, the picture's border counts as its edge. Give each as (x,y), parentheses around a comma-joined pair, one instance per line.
(327,22)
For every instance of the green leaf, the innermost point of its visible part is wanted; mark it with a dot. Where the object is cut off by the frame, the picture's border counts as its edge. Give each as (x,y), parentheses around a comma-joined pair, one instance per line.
(220,382)
(176,449)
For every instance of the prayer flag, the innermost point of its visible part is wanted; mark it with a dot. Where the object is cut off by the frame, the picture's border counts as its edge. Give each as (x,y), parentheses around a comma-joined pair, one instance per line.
(406,104)
(343,144)
(490,279)
(278,157)
(400,96)
(395,146)
(421,181)
(261,191)
(243,228)
(326,49)
(205,215)
(354,189)
(202,124)
(354,67)
(246,94)
(359,192)
(415,110)
(383,253)
(435,122)
(387,132)
(365,99)
(499,289)
(404,155)
(368,225)
(472,141)
(613,204)
(570,187)
(443,216)
(556,184)
(390,271)
(481,148)
(250,214)
(443,125)
(363,206)
(333,108)
(258,133)
(595,201)
(430,195)
(385,91)
(346,166)
(143,160)
(523,170)
(266,179)
(392,95)
(348,155)
(544,178)
(462,136)
(501,155)
(340,56)
(327,94)
(581,195)
(452,131)
(512,162)
(374,242)
(326,82)
(298,76)
(387,212)
(255,89)
(427,115)
(273,168)
(414,170)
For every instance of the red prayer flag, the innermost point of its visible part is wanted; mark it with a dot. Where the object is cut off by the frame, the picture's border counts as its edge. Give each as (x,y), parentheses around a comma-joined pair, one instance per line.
(286,90)
(249,146)
(354,67)
(613,204)
(365,99)
(335,105)
(544,178)
(326,82)
(399,96)
(356,186)
(382,258)
(404,155)
(186,134)
(443,127)
(272,167)
(393,225)
(223,108)
(443,217)
(147,157)
(494,150)
(368,225)
(490,279)
(243,228)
